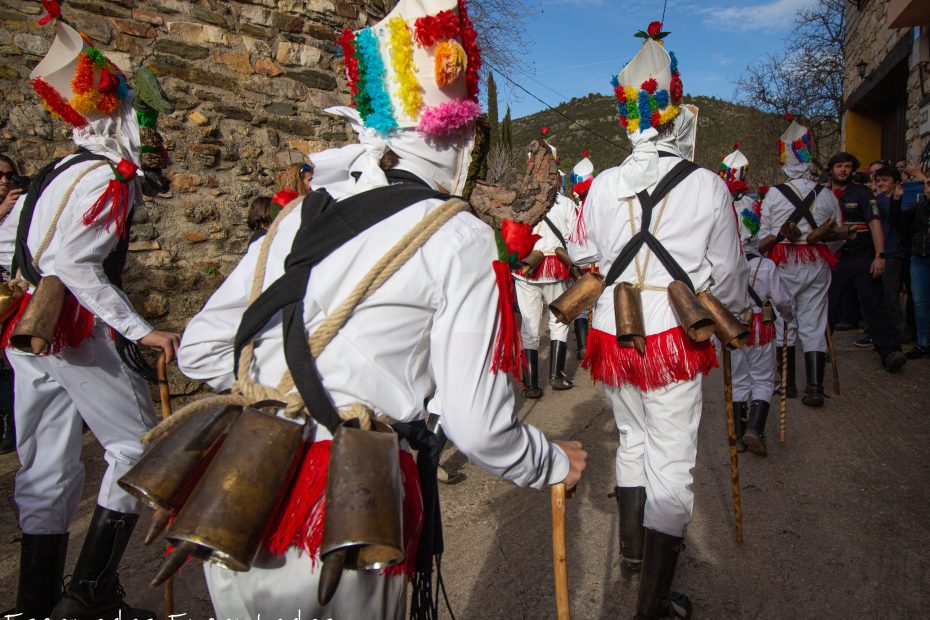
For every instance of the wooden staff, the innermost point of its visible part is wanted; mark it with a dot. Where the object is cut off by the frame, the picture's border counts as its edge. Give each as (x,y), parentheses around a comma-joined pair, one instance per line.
(836,372)
(731,436)
(784,384)
(559,561)
(161,369)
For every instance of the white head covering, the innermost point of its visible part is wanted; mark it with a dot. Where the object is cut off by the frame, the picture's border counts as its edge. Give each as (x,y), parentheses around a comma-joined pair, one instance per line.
(583,170)
(441,162)
(795,147)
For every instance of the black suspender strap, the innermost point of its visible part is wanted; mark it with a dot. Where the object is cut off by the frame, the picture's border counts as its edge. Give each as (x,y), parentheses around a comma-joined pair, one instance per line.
(755,297)
(802,208)
(22,256)
(647,202)
(558,234)
(325,226)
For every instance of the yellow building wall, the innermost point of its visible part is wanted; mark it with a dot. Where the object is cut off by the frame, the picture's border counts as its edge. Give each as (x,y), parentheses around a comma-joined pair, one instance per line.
(863,136)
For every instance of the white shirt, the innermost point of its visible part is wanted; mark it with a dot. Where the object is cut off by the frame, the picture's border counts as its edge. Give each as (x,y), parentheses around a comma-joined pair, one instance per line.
(76,252)
(562,215)
(776,209)
(429,330)
(699,229)
(764,280)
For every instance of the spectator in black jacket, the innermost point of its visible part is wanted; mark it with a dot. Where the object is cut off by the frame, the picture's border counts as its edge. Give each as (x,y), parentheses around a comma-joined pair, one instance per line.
(915,225)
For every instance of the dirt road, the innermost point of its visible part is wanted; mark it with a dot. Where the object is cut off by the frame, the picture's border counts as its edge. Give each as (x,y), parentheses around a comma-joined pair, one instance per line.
(837,519)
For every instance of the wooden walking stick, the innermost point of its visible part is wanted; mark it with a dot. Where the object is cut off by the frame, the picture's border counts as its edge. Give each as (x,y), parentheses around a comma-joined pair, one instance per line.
(559,559)
(731,436)
(161,370)
(784,384)
(836,372)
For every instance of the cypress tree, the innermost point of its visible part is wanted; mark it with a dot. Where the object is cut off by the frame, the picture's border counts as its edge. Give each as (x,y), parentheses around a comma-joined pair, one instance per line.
(507,130)
(493,120)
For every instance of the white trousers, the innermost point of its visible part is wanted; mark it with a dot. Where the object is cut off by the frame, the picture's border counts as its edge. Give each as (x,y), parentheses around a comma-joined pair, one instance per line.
(286,588)
(808,286)
(533,299)
(754,372)
(658,445)
(53,394)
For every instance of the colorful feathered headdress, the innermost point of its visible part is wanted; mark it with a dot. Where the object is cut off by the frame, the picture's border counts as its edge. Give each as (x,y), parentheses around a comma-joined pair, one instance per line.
(415,69)
(734,166)
(796,144)
(649,88)
(75,81)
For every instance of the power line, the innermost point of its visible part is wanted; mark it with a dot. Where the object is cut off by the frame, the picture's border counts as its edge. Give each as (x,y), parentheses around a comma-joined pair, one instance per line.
(557,111)
(664,6)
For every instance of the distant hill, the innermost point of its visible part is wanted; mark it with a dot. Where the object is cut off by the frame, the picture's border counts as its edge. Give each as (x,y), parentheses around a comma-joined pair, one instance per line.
(720,125)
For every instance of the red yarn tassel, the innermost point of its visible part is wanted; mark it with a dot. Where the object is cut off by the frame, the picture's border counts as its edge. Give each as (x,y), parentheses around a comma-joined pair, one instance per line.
(802,253)
(508,344)
(759,332)
(670,357)
(550,268)
(75,325)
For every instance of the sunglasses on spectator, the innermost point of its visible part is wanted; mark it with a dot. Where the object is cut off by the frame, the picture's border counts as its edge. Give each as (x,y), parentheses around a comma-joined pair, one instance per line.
(8,174)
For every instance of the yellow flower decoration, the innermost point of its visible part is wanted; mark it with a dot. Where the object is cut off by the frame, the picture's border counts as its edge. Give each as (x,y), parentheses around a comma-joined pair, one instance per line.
(408,88)
(451,62)
(669,113)
(85,103)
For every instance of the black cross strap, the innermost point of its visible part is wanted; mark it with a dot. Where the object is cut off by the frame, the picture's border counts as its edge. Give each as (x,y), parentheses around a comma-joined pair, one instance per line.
(802,208)
(648,202)
(556,231)
(755,296)
(325,226)
(22,256)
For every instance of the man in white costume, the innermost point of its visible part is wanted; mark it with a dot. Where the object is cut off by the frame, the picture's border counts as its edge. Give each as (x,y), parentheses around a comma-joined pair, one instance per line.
(539,288)
(583,252)
(804,268)
(753,365)
(429,330)
(72,227)
(656,395)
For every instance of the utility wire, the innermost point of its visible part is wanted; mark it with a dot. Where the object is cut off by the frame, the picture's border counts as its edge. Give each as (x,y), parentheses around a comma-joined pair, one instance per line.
(664,6)
(557,111)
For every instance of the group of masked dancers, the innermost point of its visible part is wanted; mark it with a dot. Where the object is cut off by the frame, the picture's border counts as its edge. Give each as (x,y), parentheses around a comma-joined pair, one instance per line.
(380,292)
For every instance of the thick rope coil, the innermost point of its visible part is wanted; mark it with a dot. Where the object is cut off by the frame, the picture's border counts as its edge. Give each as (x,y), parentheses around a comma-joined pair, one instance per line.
(246,391)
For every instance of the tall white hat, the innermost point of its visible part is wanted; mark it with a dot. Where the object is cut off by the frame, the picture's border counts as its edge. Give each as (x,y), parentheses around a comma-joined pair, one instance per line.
(734,166)
(76,82)
(795,145)
(415,69)
(583,170)
(649,89)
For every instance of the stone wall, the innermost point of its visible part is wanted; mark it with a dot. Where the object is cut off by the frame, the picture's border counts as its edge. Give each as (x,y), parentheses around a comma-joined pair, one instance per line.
(249,79)
(870,40)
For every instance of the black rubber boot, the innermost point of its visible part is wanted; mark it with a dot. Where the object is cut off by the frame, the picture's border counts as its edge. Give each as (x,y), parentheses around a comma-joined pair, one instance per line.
(792,391)
(41,570)
(558,380)
(755,427)
(531,381)
(581,336)
(656,600)
(815,363)
(631,501)
(739,422)
(94,591)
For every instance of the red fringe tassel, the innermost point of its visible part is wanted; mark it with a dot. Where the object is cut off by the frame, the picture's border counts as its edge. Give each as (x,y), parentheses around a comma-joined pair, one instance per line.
(117,194)
(670,357)
(759,332)
(550,268)
(802,253)
(508,344)
(299,520)
(75,325)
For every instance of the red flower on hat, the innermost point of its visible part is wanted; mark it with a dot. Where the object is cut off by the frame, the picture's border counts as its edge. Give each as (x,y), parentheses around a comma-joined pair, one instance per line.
(650,86)
(654,28)
(585,153)
(736,146)
(54,11)
(545,130)
(789,117)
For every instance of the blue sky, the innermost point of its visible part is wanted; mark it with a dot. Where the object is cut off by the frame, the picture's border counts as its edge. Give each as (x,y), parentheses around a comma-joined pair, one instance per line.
(577,45)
